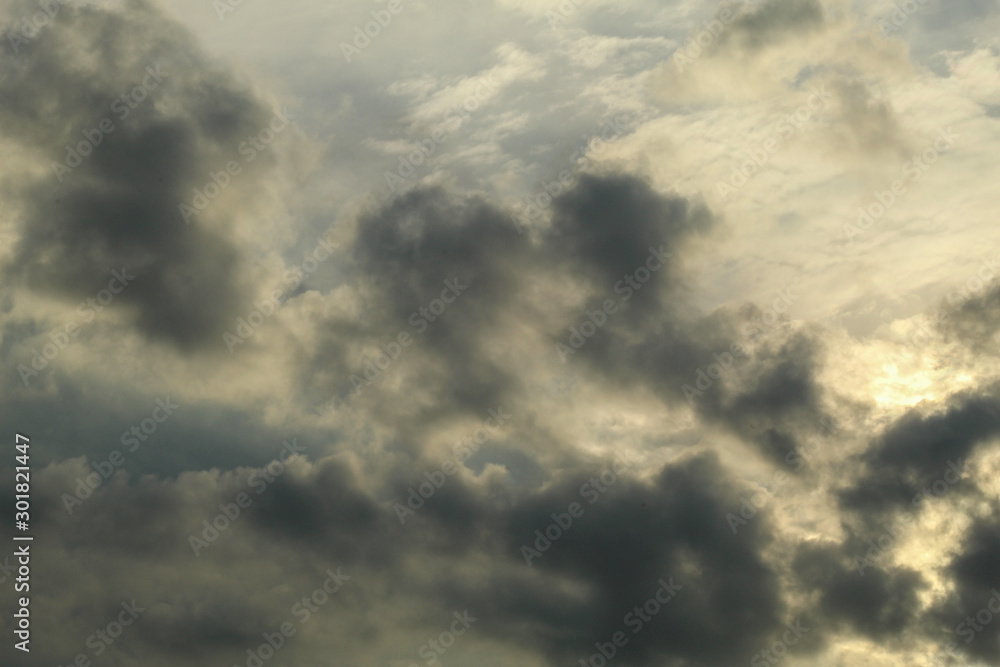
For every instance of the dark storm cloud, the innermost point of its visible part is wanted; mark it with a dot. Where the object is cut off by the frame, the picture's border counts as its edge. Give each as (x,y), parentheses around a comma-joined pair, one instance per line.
(605,231)
(672,376)
(141,520)
(131,542)
(602,229)
(407,246)
(920,457)
(327,512)
(213,627)
(731,605)
(413,252)
(119,209)
(978,563)
(608,226)
(975,320)
(768,396)
(766,393)
(778,401)
(975,573)
(628,538)
(920,449)
(878,603)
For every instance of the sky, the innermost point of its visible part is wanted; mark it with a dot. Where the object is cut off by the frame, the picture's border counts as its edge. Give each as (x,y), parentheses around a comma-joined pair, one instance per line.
(515,332)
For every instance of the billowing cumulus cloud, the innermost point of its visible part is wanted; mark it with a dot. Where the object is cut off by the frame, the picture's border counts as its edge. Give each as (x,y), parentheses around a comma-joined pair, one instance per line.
(137,135)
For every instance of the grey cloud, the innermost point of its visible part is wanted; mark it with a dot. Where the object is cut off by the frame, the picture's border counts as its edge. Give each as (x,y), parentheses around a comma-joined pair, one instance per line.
(880,603)
(975,577)
(603,230)
(974,320)
(120,207)
(773,21)
(626,540)
(608,224)
(918,449)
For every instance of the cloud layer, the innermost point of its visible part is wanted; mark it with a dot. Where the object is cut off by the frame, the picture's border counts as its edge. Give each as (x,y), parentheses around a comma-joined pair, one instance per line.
(626,333)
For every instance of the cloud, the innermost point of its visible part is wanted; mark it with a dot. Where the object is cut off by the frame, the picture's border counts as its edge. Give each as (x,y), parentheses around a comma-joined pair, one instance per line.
(880,603)
(707,341)
(918,449)
(975,320)
(101,199)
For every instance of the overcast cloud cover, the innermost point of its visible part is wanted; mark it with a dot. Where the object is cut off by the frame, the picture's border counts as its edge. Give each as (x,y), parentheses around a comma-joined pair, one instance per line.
(517,332)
